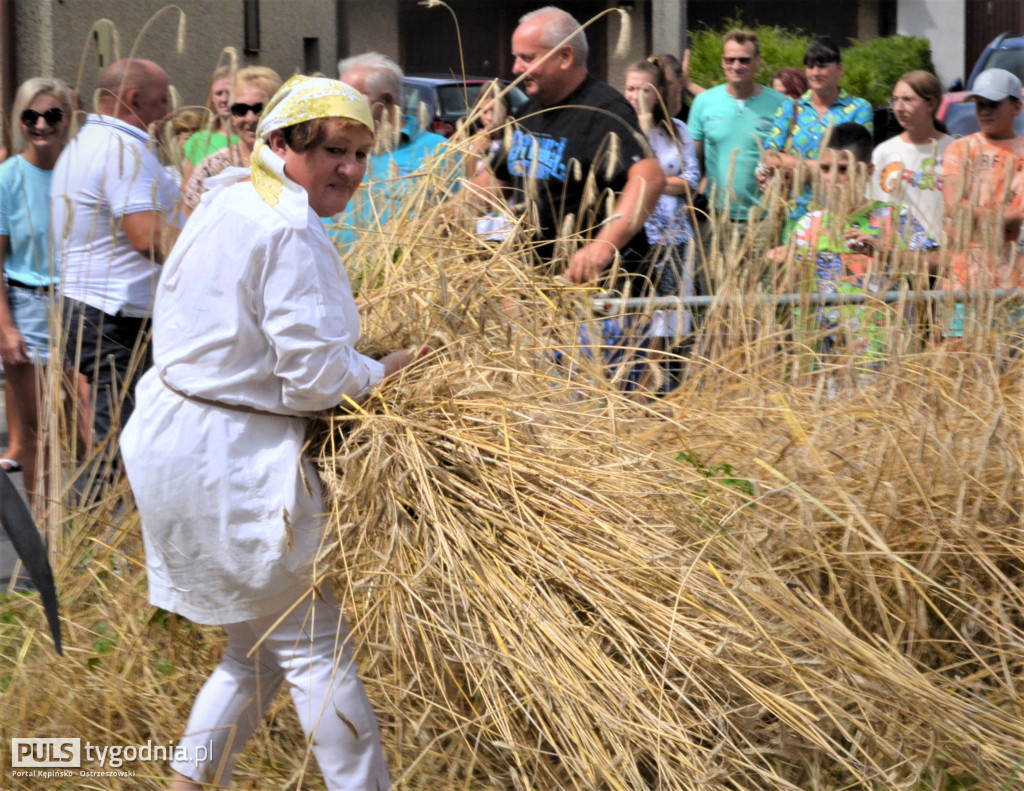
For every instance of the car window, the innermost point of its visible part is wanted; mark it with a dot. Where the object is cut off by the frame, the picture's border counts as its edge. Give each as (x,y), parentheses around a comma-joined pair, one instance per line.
(1009,59)
(413,96)
(518,99)
(452,99)
(447,101)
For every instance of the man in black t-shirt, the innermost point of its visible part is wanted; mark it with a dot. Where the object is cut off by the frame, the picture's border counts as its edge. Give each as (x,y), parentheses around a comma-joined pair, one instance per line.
(577,157)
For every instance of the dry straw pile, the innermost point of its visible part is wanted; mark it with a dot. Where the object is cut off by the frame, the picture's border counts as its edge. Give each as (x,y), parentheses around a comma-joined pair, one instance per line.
(789,573)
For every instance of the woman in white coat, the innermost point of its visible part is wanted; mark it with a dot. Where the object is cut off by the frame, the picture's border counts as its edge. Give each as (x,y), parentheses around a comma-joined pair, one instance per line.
(254,330)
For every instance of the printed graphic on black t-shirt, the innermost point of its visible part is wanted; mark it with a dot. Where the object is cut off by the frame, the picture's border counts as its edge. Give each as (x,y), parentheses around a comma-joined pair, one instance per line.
(549,156)
(592,133)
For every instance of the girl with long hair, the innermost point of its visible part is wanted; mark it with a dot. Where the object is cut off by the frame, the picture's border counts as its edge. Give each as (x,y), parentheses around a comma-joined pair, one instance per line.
(668,229)
(907,169)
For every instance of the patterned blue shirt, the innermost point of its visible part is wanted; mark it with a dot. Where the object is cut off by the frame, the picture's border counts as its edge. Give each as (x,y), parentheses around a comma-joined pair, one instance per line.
(802,136)
(809,127)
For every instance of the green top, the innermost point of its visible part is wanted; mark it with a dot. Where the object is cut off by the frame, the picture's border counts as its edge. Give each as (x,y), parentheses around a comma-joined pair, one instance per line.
(205,142)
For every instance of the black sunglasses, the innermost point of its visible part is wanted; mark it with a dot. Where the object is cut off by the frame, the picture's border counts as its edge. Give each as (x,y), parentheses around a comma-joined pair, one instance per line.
(240,110)
(53,116)
(741,61)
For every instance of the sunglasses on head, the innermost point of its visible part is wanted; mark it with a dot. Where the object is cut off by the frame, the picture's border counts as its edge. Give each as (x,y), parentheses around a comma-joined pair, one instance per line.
(53,116)
(240,110)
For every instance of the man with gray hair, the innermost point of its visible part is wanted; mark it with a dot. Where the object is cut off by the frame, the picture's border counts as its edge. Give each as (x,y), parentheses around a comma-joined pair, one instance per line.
(577,141)
(378,78)
(402,149)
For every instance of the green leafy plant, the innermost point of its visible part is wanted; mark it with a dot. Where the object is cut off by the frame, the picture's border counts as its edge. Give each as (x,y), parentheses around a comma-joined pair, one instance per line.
(103,645)
(720,473)
(873,67)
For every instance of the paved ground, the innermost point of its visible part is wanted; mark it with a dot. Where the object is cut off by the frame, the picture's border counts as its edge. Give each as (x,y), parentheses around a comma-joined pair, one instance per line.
(7,556)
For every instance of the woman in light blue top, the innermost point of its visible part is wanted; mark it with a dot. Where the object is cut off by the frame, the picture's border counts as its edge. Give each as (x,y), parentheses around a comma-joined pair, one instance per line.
(40,117)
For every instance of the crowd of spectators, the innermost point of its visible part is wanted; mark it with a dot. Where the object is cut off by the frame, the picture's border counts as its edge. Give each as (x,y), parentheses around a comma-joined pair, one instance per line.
(224,240)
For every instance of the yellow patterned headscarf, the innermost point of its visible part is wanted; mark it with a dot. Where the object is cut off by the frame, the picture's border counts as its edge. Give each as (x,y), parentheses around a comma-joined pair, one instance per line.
(299,99)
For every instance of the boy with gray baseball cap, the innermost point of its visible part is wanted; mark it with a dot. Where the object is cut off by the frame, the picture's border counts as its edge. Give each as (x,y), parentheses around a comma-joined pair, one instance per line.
(996,85)
(983,191)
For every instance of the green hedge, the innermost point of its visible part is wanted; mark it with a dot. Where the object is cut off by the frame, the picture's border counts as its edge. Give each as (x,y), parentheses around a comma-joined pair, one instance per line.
(872,67)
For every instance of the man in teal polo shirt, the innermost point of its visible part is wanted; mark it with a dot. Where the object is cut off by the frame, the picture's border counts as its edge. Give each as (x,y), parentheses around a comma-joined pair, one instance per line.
(403,154)
(729,124)
(800,127)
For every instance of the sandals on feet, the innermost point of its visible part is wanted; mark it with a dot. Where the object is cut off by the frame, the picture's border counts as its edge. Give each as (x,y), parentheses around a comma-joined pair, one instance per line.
(10,465)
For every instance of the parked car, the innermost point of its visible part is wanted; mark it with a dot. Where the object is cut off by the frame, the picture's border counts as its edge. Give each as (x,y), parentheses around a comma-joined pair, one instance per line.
(1005,52)
(447,99)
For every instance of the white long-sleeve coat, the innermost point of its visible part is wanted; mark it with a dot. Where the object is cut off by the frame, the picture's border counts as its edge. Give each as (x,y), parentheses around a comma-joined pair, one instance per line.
(253,309)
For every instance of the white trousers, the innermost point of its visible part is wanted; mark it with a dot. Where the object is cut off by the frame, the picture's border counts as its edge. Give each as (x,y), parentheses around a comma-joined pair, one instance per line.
(310,649)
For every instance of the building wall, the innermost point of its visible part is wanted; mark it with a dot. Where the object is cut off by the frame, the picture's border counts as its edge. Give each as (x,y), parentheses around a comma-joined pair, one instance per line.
(985,21)
(53,35)
(942,22)
(430,41)
(867,20)
(371,25)
(635,44)
(668,26)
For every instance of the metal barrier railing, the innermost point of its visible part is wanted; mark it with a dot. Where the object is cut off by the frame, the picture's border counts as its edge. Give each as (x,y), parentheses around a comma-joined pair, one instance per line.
(812,298)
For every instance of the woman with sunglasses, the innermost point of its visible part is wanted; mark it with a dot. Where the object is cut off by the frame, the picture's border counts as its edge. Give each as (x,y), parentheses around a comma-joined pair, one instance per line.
(251,90)
(907,169)
(42,109)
